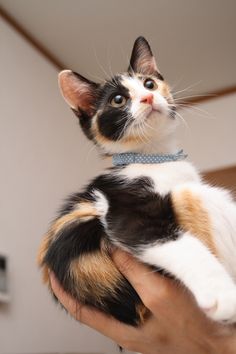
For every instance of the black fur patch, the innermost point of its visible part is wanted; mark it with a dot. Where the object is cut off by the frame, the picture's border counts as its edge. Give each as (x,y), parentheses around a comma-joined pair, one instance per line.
(74,239)
(112,121)
(85,122)
(147,216)
(124,306)
(110,89)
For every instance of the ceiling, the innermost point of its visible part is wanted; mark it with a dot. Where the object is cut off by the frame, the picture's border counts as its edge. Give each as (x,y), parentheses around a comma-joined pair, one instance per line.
(193,40)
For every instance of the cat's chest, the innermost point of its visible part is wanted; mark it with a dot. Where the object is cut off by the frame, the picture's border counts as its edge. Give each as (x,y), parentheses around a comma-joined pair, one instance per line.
(165,177)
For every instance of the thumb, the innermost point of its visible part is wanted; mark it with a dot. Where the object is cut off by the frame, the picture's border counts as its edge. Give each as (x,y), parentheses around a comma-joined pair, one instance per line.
(125,262)
(149,284)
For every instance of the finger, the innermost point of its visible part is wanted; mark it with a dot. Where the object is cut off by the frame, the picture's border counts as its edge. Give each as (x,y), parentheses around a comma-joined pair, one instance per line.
(67,301)
(93,318)
(150,285)
(107,325)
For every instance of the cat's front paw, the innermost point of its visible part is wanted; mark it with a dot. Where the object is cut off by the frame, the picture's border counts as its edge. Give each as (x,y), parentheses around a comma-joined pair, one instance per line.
(219,306)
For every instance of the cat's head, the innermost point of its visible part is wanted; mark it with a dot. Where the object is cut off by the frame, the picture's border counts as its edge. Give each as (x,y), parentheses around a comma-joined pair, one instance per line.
(133,111)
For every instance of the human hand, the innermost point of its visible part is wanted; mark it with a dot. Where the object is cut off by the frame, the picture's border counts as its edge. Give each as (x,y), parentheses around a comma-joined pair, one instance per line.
(176,324)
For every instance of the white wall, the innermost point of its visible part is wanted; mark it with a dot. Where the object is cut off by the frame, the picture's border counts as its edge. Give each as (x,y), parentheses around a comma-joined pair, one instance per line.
(209,137)
(43,157)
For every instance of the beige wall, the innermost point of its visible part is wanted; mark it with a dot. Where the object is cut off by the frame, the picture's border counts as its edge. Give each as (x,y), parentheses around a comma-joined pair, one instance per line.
(43,157)
(209,134)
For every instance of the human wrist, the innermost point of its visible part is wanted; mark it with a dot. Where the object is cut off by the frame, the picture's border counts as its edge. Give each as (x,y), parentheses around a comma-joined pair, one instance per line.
(228,345)
(224,342)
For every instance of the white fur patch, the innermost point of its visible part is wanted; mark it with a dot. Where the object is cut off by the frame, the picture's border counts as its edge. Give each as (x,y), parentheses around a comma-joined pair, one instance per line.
(191,262)
(165,176)
(138,91)
(101,202)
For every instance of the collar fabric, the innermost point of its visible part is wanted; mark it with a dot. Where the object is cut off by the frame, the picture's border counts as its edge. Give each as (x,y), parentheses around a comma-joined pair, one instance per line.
(128,158)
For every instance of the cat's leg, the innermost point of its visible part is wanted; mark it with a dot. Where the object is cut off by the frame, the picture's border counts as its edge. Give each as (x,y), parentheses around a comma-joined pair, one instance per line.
(189,260)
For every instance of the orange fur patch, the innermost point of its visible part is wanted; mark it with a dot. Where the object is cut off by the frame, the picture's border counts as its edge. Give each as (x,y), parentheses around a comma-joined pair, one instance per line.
(192,217)
(95,273)
(129,142)
(41,255)
(84,212)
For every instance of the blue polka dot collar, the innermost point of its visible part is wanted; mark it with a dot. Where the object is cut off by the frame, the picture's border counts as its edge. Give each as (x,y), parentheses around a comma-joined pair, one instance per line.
(128,158)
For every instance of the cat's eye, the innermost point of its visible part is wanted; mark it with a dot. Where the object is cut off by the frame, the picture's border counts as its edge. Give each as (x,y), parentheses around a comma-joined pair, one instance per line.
(118,101)
(150,84)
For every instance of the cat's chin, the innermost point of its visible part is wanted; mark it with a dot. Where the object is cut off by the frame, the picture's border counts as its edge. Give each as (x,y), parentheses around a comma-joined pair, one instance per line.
(155,111)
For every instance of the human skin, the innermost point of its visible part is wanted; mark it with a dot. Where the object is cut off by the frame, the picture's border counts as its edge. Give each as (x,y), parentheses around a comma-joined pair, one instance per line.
(176,324)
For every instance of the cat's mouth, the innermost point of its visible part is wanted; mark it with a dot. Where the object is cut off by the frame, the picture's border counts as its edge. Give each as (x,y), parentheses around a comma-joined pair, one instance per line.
(152,110)
(148,112)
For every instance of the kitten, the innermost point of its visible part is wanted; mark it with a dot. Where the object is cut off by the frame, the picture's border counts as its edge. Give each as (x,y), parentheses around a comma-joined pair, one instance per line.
(152,204)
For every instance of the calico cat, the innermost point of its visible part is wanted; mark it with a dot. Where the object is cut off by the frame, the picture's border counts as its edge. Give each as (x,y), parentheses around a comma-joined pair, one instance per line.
(152,204)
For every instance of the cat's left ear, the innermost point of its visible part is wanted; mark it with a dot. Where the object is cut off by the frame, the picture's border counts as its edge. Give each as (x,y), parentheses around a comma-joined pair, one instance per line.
(79,92)
(142,60)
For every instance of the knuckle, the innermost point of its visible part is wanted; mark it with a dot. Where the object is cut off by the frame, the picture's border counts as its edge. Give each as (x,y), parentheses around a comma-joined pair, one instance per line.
(150,301)
(83,313)
(125,264)
(157,299)
(128,345)
(163,293)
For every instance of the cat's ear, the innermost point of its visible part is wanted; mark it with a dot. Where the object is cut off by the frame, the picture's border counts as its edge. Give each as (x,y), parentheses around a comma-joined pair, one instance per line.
(79,92)
(142,60)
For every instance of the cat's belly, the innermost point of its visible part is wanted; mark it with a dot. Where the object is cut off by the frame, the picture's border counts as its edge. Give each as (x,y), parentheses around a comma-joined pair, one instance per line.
(222,211)
(210,214)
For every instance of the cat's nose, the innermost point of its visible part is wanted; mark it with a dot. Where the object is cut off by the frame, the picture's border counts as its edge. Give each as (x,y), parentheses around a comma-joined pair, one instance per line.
(147,99)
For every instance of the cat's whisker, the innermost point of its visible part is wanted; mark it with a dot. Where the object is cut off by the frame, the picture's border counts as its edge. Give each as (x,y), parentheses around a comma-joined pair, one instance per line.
(125,126)
(96,77)
(183,121)
(132,133)
(143,133)
(175,84)
(198,111)
(112,74)
(100,66)
(126,58)
(194,96)
(188,88)
(148,125)
(109,63)
(186,104)
(138,132)
(137,129)
(144,127)
(92,148)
